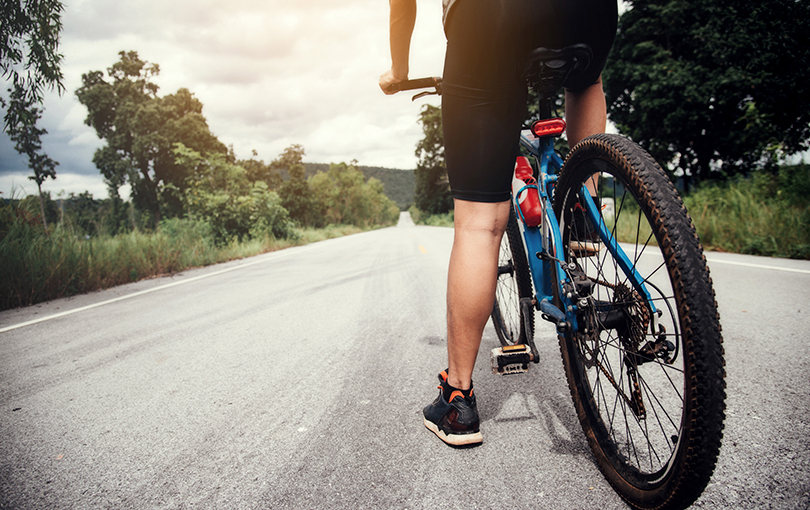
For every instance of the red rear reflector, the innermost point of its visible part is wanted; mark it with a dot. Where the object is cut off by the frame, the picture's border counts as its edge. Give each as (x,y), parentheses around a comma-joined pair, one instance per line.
(548,127)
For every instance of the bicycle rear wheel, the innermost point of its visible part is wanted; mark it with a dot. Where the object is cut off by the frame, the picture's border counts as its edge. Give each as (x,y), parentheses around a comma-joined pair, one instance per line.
(514,283)
(651,403)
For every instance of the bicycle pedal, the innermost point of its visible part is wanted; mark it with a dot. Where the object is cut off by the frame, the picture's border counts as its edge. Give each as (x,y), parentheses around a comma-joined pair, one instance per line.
(510,359)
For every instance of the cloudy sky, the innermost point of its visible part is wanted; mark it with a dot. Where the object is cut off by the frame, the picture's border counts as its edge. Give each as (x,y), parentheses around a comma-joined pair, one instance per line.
(270,73)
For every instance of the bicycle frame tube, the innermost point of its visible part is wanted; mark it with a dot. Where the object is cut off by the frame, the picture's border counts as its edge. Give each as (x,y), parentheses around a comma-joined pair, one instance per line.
(541,242)
(627,266)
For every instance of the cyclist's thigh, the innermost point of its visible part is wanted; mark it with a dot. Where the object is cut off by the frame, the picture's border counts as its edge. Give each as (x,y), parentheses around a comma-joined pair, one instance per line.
(484,94)
(592,22)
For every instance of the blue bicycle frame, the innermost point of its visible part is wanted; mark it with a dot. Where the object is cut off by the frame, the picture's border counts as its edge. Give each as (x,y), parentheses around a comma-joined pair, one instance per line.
(543,242)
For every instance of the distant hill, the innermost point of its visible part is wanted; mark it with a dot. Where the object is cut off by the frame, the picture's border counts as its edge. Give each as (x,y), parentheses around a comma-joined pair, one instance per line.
(399,184)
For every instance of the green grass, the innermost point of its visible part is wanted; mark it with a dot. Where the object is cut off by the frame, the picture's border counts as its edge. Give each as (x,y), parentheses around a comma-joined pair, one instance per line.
(434,220)
(742,217)
(766,215)
(40,267)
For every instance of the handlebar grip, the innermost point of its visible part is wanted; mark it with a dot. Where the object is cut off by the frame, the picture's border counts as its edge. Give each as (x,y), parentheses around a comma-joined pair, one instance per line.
(420,83)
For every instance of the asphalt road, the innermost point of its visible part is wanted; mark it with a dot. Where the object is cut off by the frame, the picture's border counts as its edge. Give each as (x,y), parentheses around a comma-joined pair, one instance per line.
(296,380)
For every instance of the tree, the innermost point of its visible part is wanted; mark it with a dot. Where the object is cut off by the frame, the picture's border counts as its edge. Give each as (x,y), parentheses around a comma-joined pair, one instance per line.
(29,41)
(27,140)
(257,171)
(713,87)
(83,213)
(432,193)
(345,197)
(296,193)
(140,129)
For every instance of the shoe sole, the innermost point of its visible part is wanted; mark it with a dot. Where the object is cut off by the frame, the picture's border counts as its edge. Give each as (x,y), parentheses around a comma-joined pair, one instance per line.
(454,439)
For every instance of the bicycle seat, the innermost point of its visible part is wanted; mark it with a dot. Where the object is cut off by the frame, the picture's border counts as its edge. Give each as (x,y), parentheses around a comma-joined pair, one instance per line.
(547,69)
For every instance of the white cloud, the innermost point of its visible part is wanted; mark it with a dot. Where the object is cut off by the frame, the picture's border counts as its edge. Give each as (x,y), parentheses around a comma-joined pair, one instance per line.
(269,73)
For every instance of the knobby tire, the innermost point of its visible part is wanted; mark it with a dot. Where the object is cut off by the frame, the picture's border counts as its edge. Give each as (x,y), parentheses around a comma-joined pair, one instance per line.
(651,406)
(514,283)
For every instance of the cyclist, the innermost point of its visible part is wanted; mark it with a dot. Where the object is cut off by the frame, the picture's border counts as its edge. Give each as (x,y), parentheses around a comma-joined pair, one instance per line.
(483,108)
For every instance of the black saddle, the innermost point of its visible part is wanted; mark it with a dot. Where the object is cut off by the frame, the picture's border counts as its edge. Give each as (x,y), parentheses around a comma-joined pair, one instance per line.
(546,69)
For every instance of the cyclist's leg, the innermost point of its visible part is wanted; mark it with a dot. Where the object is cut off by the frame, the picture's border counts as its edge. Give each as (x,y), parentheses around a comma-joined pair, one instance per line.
(592,22)
(585,115)
(471,281)
(483,103)
(585,112)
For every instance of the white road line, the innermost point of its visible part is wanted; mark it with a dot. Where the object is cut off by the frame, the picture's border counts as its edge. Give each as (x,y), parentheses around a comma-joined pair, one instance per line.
(281,254)
(274,255)
(758,266)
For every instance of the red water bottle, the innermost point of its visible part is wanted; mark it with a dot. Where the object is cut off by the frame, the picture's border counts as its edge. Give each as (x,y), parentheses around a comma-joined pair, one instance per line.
(524,189)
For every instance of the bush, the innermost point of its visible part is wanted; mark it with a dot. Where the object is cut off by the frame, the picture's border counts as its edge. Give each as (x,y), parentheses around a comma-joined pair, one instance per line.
(420,217)
(766,214)
(220,194)
(346,198)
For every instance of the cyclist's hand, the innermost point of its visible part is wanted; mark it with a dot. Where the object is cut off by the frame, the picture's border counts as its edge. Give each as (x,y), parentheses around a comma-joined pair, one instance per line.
(387,79)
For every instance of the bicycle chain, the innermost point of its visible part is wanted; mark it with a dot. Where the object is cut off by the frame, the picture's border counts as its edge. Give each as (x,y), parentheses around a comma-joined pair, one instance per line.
(636,328)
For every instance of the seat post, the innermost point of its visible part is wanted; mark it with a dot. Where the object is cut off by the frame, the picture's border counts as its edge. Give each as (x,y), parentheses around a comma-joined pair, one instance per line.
(544,107)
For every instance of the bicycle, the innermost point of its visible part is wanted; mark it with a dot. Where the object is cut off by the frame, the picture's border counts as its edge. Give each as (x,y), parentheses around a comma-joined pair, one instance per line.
(629,293)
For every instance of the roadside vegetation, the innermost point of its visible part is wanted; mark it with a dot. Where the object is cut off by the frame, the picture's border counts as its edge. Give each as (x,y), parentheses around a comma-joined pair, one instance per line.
(767,213)
(420,217)
(40,265)
(220,215)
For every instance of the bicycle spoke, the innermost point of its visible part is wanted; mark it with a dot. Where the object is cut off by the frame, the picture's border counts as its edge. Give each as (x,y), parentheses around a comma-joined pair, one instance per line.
(627,367)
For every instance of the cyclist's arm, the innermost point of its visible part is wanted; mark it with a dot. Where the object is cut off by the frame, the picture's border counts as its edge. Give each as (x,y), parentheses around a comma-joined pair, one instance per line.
(401,23)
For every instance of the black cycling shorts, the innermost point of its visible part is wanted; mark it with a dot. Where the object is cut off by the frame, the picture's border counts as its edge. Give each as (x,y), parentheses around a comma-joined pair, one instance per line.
(484,94)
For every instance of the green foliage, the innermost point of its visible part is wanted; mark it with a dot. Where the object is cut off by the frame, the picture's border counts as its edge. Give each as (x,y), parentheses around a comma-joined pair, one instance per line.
(86,216)
(257,170)
(27,140)
(399,184)
(419,217)
(29,41)
(13,213)
(295,192)
(790,183)
(34,264)
(83,212)
(766,214)
(219,193)
(186,231)
(29,58)
(37,205)
(38,266)
(346,198)
(140,130)
(713,87)
(416,214)
(432,193)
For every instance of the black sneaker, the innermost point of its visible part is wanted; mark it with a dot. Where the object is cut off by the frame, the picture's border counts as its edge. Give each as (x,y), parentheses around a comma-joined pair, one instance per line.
(455,418)
(585,240)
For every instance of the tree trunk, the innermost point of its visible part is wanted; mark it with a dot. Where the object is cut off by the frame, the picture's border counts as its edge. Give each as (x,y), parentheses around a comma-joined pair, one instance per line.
(42,207)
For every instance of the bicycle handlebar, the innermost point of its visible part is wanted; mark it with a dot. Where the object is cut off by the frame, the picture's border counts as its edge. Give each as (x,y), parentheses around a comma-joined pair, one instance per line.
(420,83)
